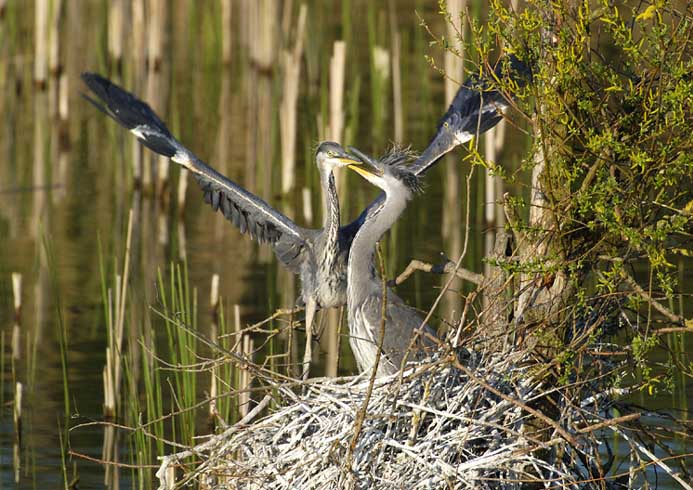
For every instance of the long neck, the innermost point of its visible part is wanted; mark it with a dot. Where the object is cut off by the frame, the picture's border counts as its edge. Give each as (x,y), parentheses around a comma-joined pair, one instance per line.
(361,270)
(329,191)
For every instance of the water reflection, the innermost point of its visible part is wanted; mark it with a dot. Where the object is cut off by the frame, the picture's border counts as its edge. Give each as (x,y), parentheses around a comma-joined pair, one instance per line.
(71,178)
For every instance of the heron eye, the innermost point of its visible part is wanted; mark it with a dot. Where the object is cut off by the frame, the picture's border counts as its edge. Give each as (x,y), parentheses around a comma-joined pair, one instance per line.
(331,154)
(446,124)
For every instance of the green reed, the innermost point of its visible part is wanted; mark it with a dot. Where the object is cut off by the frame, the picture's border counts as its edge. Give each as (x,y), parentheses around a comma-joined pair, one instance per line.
(179,312)
(225,402)
(61,326)
(153,392)
(63,455)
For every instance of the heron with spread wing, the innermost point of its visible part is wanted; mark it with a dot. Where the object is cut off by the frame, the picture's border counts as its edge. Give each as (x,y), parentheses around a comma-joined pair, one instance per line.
(318,256)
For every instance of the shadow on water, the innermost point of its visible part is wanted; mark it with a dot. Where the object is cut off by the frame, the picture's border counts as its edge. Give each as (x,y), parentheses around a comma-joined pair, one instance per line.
(70,177)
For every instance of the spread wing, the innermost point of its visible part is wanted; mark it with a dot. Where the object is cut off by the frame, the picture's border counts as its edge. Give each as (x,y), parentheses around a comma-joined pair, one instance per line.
(247,211)
(474,110)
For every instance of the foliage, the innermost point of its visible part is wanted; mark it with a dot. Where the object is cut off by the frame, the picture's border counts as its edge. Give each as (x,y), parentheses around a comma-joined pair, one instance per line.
(612,107)
(610,110)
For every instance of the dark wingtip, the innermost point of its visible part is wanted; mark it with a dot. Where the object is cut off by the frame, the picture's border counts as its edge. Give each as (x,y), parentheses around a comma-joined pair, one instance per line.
(121,105)
(97,84)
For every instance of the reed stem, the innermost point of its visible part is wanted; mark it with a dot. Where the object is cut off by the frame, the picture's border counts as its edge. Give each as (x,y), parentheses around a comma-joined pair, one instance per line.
(41,48)
(291,64)
(116,23)
(17,410)
(214,337)
(398,111)
(226,31)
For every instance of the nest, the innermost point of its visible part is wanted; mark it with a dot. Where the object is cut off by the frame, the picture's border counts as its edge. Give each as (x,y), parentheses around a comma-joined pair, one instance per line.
(443,425)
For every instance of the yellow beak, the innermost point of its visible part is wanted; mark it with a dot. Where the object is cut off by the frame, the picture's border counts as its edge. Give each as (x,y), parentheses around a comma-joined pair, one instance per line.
(362,171)
(350,161)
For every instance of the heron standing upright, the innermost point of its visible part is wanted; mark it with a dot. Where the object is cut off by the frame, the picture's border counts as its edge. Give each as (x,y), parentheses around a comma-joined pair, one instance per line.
(403,328)
(319,256)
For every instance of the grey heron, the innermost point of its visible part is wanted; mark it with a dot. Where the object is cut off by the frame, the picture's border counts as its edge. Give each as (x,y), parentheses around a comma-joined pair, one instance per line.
(403,328)
(318,256)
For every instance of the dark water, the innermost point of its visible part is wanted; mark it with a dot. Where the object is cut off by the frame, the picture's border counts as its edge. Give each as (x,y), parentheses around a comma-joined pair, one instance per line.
(66,186)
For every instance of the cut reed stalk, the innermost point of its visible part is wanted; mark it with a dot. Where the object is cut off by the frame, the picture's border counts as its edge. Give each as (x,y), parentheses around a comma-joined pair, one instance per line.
(246,377)
(246,346)
(381,75)
(263,16)
(291,65)
(398,111)
(493,212)
(245,24)
(287,17)
(162,173)
(214,337)
(112,373)
(138,48)
(182,190)
(307,205)
(493,139)
(238,348)
(17,411)
(155,31)
(182,241)
(454,73)
(41,40)
(337,71)
(137,166)
(108,454)
(336,104)
(116,24)
(163,232)
(63,104)
(54,64)
(16,461)
(160,165)
(16,335)
(452,215)
(226,31)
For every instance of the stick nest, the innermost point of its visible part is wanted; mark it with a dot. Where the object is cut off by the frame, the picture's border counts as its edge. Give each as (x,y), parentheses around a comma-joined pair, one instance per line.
(435,427)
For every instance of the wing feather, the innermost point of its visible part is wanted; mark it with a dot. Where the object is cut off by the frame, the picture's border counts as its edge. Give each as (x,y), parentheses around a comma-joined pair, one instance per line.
(247,211)
(474,110)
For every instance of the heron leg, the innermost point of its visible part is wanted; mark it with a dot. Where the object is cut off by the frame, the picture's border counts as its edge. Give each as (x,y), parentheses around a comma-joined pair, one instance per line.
(311,307)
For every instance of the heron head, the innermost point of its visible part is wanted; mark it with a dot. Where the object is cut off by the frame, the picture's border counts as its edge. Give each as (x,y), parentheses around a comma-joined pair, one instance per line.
(333,155)
(389,172)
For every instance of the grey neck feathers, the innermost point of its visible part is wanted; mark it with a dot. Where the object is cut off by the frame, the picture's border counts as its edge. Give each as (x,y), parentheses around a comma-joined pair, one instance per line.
(361,271)
(331,221)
